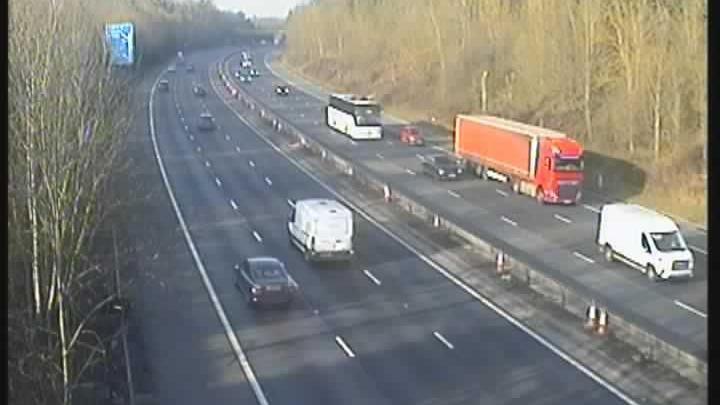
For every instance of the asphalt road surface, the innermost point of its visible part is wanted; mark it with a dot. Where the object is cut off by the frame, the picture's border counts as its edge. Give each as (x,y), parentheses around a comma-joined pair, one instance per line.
(385,329)
(559,240)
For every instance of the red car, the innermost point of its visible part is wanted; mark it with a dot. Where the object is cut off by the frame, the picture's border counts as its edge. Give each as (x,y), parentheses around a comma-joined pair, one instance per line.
(411,136)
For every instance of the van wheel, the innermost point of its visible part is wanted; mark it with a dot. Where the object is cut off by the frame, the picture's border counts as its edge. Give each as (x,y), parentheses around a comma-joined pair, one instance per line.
(540,195)
(608,253)
(651,273)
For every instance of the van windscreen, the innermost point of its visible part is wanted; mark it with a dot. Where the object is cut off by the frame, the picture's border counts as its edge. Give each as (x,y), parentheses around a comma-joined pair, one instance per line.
(668,241)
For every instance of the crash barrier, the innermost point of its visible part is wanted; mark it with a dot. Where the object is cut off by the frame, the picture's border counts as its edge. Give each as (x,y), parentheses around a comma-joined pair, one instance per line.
(571,300)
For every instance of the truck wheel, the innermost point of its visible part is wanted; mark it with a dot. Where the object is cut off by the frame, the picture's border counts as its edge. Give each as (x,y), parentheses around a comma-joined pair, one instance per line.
(540,195)
(609,253)
(651,273)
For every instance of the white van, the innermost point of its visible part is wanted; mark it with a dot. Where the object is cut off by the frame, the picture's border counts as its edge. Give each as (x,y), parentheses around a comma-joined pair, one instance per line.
(645,240)
(322,229)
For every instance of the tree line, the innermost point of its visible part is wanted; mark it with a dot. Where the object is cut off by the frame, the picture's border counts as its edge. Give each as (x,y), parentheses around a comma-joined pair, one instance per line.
(627,78)
(69,115)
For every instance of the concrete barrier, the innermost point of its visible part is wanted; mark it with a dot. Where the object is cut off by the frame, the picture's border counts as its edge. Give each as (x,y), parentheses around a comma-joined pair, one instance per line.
(652,347)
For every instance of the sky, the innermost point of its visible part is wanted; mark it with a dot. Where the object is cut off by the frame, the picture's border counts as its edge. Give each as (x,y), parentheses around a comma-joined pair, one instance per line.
(259,8)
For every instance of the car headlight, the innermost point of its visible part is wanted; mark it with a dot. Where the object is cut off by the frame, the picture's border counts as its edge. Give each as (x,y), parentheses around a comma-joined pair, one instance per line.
(254,290)
(459,171)
(441,171)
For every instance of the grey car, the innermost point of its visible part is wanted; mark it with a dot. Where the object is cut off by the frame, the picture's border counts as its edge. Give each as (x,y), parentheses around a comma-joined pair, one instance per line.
(443,167)
(265,281)
(206,122)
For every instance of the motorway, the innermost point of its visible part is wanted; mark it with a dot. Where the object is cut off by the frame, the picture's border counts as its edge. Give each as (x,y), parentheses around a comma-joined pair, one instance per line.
(386,329)
(559,240)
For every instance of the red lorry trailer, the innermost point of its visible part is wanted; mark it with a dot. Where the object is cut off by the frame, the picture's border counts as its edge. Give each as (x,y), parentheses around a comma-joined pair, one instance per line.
(536,161)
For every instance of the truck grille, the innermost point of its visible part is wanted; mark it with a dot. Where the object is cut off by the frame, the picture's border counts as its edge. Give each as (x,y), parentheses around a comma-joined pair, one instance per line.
(680,265)
(567,191)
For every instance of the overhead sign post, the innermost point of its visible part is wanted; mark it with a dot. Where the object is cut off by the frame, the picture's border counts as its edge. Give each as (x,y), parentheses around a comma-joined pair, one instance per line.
(121,39)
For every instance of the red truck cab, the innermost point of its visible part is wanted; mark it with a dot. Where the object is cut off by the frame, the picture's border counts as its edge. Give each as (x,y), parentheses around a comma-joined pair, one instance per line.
(559,176)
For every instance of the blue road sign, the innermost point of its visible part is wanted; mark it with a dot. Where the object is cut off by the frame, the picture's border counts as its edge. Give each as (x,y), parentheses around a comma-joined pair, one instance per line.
(121,39)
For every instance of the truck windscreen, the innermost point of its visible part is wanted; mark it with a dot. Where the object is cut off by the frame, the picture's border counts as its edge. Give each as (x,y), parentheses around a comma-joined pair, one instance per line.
(569,164)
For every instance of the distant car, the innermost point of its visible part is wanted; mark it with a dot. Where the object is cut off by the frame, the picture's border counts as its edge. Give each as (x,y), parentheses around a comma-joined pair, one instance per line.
(190,68)
(246,79)
(206,122)
(411,135)
(443,167)
(237,74)
(164,85)
(172,69)
(265,281)
(254,72)
(199,91)
(282,90)
(246,63)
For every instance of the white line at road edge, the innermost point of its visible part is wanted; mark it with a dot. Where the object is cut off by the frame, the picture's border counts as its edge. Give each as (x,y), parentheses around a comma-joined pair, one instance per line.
(372,277)
(344,346)
(218,182)
(251,163)
(257,236)
(268,181)
(233,205)
(697,249)
(502,193)
(443,340)
(232,338)
(583,257)
(410,172)
(539,338)
(691,309)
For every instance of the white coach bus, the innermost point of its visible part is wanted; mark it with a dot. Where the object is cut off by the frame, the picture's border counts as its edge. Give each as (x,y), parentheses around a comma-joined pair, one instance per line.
(356,117)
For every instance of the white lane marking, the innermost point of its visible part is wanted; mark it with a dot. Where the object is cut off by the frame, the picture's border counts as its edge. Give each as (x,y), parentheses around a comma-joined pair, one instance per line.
(177,106)
(218,182)
(697,249)
(232,338)
(237,148)
(691,309)
(419,156)
(591,208)
(502,193)
(443,340)
(380,155)
(344,346)
(227,137)
(257,236)
(439,148)
(192,138)
(508,220)
(233,205)
(187,128)
(207,164)
(182,119)
(268,181)
(454,194)
(316,122)
(562,218)
(198,149)
(372,277)
(410,172)
(291,203)
(302,115)
(583,257)
(251,163)
(451,277)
